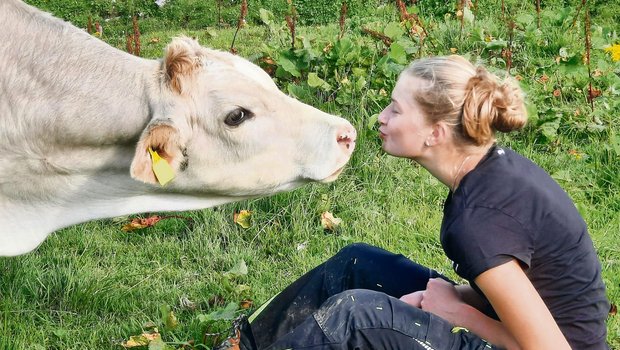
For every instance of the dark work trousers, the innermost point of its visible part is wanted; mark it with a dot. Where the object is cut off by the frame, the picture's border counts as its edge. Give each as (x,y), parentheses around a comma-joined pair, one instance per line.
(351,302)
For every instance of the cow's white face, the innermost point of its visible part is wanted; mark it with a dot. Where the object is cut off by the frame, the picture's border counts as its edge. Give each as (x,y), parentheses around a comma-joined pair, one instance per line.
(227,129)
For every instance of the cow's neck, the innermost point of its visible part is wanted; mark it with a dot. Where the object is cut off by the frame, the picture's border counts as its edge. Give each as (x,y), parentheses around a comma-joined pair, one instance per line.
(77,169)
(101,94)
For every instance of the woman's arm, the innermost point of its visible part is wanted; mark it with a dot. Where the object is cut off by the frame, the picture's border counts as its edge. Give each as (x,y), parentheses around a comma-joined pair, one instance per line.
(520,307)
(471,297)
(526,321)
(442,299)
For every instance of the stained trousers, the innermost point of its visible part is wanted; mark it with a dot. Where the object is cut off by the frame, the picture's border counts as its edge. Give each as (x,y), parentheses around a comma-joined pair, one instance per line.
(351,302)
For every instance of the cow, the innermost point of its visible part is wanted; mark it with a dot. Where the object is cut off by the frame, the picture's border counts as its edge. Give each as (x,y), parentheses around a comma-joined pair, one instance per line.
(88,131)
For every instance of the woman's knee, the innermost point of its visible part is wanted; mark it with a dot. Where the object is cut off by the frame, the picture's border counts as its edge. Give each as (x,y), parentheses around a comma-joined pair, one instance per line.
(355,250)
(357,307)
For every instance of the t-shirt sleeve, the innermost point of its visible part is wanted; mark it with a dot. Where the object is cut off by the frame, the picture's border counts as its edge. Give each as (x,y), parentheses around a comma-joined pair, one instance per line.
(483,238)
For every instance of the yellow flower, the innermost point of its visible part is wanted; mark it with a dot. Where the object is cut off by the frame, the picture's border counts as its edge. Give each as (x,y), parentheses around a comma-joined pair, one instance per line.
(614,50)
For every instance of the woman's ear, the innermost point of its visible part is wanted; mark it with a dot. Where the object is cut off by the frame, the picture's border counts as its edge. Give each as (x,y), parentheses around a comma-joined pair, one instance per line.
(440,133)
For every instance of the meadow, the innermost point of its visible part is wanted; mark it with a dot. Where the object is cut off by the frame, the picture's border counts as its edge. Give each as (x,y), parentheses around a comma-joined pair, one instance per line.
(179,283)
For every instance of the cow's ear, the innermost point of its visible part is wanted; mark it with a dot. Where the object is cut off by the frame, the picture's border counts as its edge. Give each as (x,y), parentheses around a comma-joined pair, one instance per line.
(183,56)
(159,140)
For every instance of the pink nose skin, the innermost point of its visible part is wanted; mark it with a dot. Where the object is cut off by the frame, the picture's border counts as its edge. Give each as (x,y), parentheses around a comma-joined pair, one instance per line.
(346,137)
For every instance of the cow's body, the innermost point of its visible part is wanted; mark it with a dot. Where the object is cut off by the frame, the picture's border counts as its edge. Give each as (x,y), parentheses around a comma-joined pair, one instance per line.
(77,118)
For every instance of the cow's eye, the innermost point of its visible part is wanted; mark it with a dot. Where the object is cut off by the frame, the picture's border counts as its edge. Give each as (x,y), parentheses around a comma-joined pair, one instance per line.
(237,116)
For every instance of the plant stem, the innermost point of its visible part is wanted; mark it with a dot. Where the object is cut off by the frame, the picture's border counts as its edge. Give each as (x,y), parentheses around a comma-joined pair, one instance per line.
(538,12)
(588,46)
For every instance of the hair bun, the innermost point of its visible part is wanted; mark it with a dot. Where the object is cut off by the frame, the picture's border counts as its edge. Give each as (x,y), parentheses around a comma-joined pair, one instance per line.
(489,106)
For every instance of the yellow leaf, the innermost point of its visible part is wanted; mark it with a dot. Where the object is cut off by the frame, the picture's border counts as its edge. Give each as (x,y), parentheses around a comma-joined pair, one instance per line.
(133,225)
(171,321)
(246,303)
(140,340)
(242,218)
(140,223)
(329,221)
(453,49)
(614,50)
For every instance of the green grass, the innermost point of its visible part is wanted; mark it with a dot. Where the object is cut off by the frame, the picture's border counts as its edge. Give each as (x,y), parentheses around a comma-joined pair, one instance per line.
(92,286)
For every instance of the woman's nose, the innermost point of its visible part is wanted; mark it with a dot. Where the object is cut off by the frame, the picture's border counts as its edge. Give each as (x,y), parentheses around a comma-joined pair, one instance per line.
(382,117)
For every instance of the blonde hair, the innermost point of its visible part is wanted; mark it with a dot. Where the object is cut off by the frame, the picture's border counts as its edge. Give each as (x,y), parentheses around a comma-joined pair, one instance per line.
(472,100)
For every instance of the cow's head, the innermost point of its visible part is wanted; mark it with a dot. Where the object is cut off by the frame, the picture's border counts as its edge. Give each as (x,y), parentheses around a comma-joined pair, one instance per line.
(225,128)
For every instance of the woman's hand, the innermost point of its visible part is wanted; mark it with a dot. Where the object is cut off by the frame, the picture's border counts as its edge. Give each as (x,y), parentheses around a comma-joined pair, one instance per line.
(414,299)
(442,299)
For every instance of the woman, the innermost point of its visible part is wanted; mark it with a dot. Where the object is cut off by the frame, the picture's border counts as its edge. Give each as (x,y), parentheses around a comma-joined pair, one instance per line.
(510,230)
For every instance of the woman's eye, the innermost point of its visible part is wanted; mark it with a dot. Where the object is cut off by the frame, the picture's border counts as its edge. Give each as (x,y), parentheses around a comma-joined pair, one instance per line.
(237,117)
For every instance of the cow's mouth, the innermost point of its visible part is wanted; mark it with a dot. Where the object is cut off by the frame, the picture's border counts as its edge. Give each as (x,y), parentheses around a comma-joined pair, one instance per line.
(333,176)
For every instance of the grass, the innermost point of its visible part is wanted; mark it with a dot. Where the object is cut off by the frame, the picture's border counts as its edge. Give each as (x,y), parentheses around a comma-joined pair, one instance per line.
(93,286)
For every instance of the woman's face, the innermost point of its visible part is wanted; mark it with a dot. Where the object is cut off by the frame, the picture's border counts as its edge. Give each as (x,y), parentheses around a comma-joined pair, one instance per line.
(404,128)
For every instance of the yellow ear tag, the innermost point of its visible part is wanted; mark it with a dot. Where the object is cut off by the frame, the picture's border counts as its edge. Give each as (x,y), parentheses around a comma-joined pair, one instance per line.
(163,171)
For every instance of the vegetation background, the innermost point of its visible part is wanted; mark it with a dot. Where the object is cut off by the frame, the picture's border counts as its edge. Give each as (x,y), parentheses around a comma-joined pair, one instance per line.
(178,284)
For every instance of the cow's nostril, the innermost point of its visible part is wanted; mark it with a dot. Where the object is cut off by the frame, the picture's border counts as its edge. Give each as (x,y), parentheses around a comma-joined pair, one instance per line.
(346,138)
(345,141)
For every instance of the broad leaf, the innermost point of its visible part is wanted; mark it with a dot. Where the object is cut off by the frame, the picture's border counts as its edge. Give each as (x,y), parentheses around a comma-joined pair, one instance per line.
(240,269)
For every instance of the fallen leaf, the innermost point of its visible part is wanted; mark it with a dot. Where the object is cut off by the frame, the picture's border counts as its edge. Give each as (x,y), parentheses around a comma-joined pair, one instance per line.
(246,303)
(140,223)
(453,49)
(157,344)
(227,313)
(140,340)
(240,269)
(613,310)
(557,92)
(171,321)
(544,78)
(242,218)
(242,288)
(329,221)
(168,318)
(133,225)
(154,40)
(135,341)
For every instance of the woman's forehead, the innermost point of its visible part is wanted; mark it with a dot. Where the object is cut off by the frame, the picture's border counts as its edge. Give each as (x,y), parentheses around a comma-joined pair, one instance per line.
(405,89)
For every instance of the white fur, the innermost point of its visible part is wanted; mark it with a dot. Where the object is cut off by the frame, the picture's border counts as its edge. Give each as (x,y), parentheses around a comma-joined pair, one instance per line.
(76,117)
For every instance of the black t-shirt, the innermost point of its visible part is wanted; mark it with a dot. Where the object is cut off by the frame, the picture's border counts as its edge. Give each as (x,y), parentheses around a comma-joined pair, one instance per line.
(509,208)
